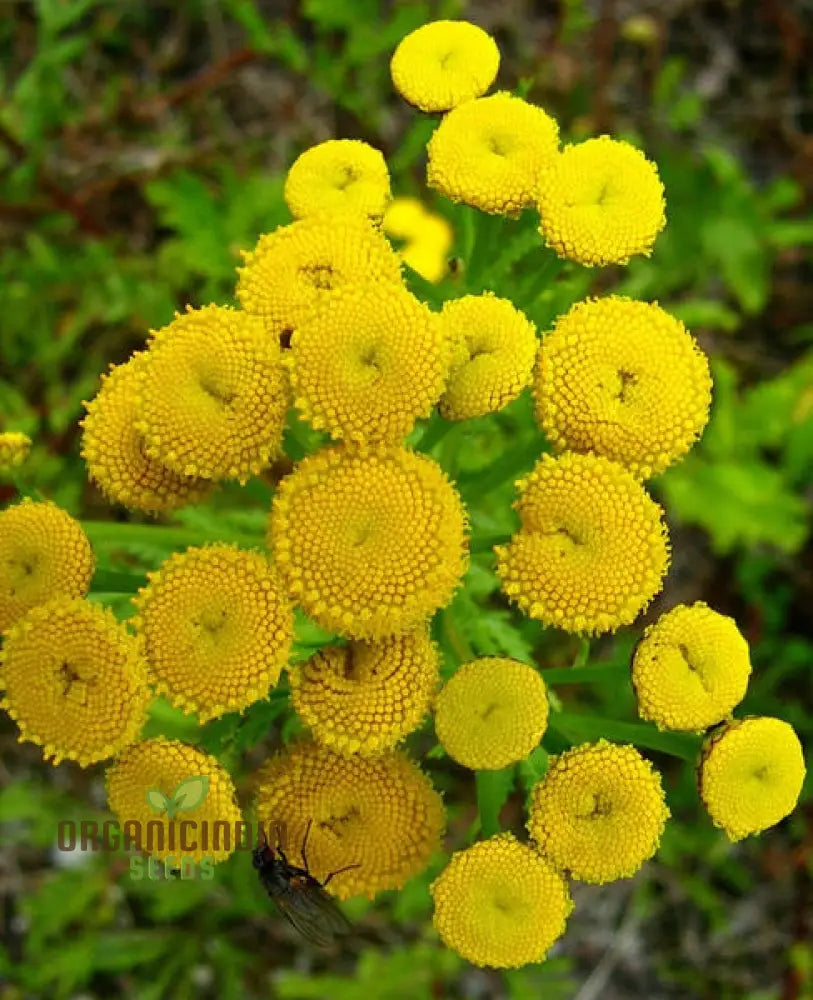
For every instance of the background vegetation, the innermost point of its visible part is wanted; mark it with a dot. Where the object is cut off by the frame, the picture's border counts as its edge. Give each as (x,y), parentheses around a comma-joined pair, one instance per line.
(142,146)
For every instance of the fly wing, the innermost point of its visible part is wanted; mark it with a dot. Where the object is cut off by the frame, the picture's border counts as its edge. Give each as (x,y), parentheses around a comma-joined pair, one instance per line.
(312,912)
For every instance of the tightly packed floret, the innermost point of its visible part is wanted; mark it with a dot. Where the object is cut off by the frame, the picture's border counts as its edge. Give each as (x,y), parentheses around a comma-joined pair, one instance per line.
(599,812)
(370,544)
(492,713)
(500,904)
(294,268)
(380,814)
(443,63)
(75,681)
(690,669)
(493,352)
(166,766)
(751,775)
(592,549)
(44,554)
(14,449)
(212,396)
(114,450)
(367,696)
(338,175)
(368,362)
(488,153)
(217,629)
(423,238)
(600,202)
(623,379)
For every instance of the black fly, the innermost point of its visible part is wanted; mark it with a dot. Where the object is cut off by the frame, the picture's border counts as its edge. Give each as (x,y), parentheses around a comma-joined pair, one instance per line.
(300,897)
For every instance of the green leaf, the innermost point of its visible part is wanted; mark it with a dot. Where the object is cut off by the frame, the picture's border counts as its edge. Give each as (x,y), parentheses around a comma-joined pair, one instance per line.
(190,793)
(157,800)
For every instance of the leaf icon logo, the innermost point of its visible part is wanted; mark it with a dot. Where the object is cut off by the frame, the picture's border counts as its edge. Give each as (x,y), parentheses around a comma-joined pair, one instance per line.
(189,794)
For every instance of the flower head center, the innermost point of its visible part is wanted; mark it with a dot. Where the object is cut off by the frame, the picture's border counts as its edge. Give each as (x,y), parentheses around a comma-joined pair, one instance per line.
(319,275)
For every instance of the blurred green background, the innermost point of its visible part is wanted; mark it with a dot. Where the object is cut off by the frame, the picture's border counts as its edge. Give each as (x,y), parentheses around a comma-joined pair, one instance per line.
(142,147)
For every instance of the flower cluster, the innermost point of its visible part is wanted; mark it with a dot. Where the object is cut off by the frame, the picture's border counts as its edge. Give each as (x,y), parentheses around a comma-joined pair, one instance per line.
(217,629)
(368,536)
(44,554)
(379,814)
(492,713)
(14,449)
(425,238)
(592,548)
(75,680)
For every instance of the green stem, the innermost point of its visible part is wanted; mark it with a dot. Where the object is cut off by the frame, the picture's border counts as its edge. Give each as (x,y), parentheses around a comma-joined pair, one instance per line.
(511,465)
(583,654)
(113,533)
(492,791)
(584,675)
(587,728)
(436,429)
(479,546)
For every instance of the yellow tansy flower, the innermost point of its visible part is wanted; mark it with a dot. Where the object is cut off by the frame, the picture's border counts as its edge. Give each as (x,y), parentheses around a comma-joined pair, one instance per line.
(114,450)
(206,831)
(623,379)
(426,237)
(500,904)
(44,553)
(494,349)
(14,449)
(75,681)
(599,812)
(592,549)
(338,175)
(488,153)
(369,544)
(379,813)
(212,395)
(294,268)
(492,713)
(444,63)
(366,696)
(600,202)
(690,669)
(751,775)
(217,629)
(368,362)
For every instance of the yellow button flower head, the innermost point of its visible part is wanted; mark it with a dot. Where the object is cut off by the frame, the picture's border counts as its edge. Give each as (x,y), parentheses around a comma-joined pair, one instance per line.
(751,775)
(14,449)
(299,265)
(368,362)
(444,63)
(380,813)
(338,175)
(217,629)
(592,549)
(623,379)
(488,153)
(500,904)
(600,202)
(212,396)
(114,450)
(162,765)
(493,355)
(599,812)
(44,554)
(690,669)
(492,713)
(366,696)
(75,681)
(426,237)
(369,544)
